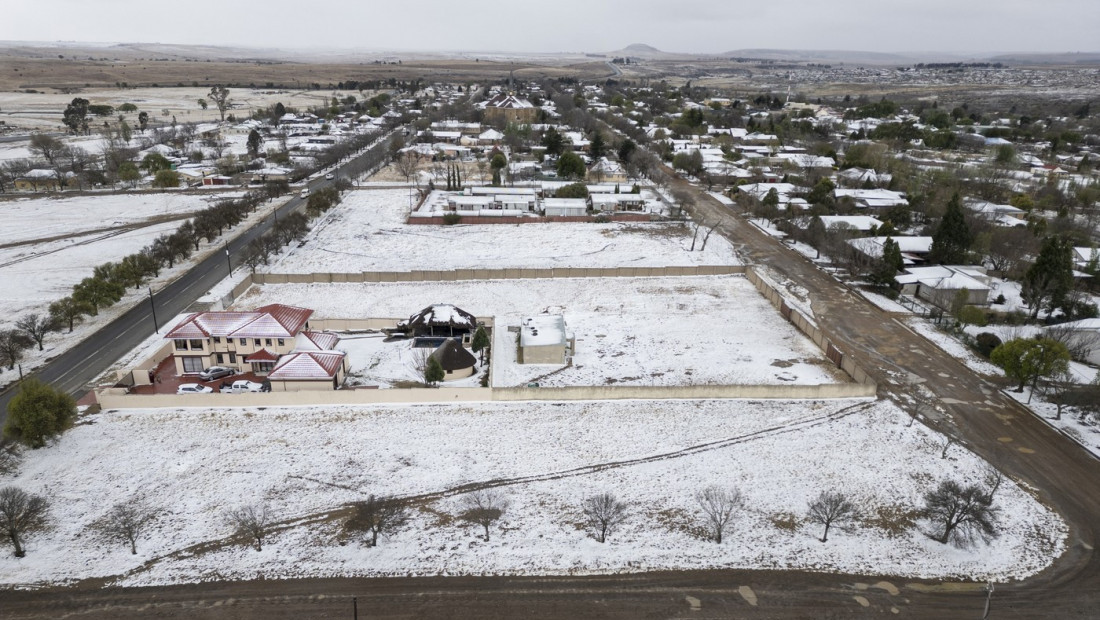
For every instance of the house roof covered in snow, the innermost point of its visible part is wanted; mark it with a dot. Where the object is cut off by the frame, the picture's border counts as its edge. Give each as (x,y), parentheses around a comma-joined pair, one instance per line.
(542,330)
(441,315)
(453,356)
(272,321)
(307,366)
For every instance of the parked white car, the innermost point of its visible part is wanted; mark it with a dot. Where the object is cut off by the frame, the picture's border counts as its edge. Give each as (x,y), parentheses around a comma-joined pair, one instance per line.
(242,385)
(193,388)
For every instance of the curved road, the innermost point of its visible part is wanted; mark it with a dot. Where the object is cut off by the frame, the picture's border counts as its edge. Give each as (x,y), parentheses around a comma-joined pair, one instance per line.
(1065,476)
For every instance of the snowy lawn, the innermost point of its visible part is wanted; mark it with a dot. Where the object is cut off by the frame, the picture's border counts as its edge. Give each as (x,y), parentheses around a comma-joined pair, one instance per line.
(194,464)
(367,232)
(383,364)
(630,331)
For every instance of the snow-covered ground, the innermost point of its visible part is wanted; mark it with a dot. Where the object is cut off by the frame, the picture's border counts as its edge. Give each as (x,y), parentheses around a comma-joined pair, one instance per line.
(378,363)
(367,232)
(194,464)
(38,217)
(35,275)
(630,331)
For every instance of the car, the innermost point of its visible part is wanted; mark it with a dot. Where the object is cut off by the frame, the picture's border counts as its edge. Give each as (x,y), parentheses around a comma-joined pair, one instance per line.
(193,388)
(216,372)
(241,386)
(304,193)
(330,176)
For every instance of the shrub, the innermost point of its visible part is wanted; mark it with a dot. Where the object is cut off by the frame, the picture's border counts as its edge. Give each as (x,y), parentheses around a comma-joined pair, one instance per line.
(985,342)
(450,219)
(38,412)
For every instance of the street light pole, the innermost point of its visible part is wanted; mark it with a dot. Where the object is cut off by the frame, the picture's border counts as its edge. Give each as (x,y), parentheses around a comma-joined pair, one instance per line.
(988,599)
(227,260)
(153,307)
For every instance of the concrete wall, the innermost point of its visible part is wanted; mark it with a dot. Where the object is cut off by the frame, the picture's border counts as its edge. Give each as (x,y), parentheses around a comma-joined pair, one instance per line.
(819,336)
(116,398)
(494,274)
(437,220)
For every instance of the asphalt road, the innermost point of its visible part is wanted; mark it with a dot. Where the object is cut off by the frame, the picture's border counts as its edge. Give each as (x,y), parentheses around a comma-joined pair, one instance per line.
(73,370)
(1063,475)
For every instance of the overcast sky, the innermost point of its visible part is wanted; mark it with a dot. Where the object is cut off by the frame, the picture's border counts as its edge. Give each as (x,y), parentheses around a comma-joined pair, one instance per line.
(570,25)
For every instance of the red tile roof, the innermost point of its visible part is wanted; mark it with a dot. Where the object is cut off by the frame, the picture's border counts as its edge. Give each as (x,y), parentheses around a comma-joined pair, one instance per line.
(273,321)
(324,341)
(307,365)
(263,355)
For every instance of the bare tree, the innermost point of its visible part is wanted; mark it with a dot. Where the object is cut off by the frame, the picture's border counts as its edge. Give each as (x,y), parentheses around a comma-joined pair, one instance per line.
(1058,390)
(12,344)
(961,514)
(420,357)
(20,514)
(718,505)
(125,522)
(829,508)
(251,521)
(1079,342)
(710,230)
(483,507)
(37,326)
(407,164)
(377,515)
(603,513)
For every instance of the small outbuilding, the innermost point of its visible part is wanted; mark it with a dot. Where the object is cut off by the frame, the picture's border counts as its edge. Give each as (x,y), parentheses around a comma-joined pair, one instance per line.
(545,339)
(457,362)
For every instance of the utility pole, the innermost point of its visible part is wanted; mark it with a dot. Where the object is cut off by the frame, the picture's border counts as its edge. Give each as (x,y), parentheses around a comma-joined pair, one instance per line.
(988,599)
(355,608)
(153,307)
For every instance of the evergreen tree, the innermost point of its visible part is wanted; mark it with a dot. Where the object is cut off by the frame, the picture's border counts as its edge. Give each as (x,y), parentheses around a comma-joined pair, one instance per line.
(952,239)
(433,373)
(480,342)
(889,265)
(1051,277)
(597,146)
(38,412)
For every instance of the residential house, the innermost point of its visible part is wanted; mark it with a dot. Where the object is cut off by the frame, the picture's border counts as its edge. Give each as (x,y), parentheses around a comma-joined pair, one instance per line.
(872,198)
(914,250)
(617,202)
(940,285)
(564,207)
(437,322)
(1085,338)
(251,341)
(309,370)
(38,180)
(1083,257)
(507,108)
(607,171)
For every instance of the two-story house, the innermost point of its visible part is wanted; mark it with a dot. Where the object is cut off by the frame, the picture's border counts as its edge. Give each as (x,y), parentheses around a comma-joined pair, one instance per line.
(248,341)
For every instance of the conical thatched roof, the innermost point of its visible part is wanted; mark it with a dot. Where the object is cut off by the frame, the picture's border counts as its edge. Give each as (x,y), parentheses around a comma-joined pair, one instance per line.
(453,356)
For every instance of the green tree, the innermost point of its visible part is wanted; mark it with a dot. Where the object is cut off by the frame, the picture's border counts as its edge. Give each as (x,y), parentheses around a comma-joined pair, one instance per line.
(220,96)
(129,173)
(96,293)
(1027,360)
(626,150)
(155,162)
(68,311)
(255,143)
(124,131)
(597,147)
(573,190)
(952,239)
(480,342)
(433,372)
(889,265)
(166,179)
(143,121)
(1050,278)
(38,412)
(75,116)
(571,166)
(553,141)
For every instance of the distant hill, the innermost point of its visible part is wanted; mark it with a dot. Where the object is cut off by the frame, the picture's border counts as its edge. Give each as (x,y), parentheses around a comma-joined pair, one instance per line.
(825,56)
(641,50)
(1021,58)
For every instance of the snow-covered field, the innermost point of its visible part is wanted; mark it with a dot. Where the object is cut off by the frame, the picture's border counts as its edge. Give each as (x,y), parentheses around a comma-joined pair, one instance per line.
(193,465)
(630,331)
(40,217)
(367,232)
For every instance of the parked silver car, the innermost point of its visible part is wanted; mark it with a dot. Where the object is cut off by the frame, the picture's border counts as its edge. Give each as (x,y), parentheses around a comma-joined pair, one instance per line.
(216,372)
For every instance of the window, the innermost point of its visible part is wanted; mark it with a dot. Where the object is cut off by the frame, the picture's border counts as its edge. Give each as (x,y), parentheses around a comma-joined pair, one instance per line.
(181,345)
(257,340)
(244,341)
(280,342)
(217,339)
(193,364)
(267,342)
(196,345)
(232,358)
(220,359)
(263,366)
